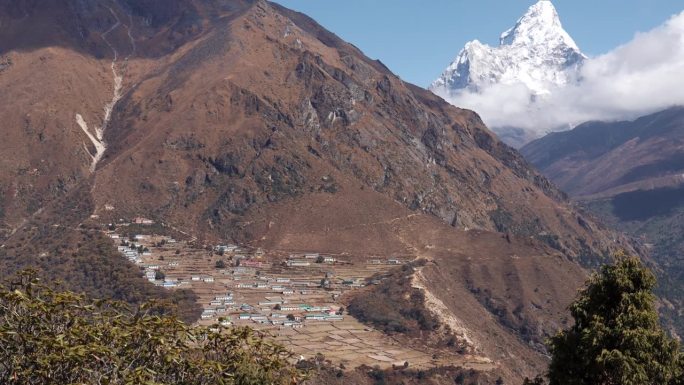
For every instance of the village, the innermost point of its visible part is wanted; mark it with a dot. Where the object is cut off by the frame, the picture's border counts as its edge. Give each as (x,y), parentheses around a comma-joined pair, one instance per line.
(297,297)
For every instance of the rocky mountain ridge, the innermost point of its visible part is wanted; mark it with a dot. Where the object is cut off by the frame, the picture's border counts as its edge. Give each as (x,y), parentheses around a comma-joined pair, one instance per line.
(602,159)
(333,107)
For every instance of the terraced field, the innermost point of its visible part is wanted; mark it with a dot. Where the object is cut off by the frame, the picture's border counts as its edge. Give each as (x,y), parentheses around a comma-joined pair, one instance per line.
(302,306)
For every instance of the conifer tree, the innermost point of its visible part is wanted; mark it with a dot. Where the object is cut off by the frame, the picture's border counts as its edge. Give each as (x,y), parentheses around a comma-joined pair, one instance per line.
(616,338)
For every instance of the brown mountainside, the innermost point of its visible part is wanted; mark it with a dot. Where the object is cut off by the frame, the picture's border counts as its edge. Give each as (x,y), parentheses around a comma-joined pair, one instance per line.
(261,106)
(603,159)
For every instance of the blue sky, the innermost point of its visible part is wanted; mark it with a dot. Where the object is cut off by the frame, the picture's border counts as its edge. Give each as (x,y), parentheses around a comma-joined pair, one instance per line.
(418,39)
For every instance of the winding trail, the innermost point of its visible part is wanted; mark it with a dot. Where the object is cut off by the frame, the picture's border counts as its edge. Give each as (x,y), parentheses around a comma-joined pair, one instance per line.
(97,140)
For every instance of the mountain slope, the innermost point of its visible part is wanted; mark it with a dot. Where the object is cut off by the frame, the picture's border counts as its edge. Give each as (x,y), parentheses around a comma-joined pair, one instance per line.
(202,135)
(248,122)
(335,115)
(604,159)
(631,175)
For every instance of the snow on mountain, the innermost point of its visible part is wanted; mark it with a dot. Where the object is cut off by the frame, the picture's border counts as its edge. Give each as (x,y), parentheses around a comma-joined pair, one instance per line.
(538,81)
(537,53)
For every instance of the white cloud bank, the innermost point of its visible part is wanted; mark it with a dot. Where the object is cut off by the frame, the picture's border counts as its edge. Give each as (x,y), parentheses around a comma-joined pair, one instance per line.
(640,77)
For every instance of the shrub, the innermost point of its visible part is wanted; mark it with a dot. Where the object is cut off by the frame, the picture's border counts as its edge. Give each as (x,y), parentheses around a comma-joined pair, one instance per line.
(159,275)
(49,337)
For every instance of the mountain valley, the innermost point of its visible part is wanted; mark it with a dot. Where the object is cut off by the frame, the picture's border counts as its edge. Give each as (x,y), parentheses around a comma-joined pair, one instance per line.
(629,174)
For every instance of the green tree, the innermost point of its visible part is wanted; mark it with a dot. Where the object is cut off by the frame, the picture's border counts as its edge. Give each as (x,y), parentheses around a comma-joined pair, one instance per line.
(55,338)
(616,337)
(159,275)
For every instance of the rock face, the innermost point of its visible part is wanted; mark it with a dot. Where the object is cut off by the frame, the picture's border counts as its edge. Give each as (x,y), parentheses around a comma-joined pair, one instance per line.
(536,53)
(244,120)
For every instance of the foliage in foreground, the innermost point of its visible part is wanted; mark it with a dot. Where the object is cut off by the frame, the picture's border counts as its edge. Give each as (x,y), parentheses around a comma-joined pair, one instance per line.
(616,337)
(49,337)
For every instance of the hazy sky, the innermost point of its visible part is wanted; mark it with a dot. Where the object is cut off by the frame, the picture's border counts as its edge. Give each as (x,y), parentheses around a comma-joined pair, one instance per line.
(418,39)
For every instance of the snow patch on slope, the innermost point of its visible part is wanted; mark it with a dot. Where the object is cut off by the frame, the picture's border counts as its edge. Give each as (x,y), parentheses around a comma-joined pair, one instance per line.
(98,139)
(100,146)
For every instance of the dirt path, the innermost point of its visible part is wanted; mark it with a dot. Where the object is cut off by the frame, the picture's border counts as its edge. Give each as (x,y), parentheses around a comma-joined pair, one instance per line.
(441,310)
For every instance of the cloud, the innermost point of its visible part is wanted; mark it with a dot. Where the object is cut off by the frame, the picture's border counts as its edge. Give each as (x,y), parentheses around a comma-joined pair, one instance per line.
(640,77)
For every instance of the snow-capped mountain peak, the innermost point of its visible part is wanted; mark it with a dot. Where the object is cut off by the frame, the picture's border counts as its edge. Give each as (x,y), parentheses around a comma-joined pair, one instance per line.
(540,25)
(537,53)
